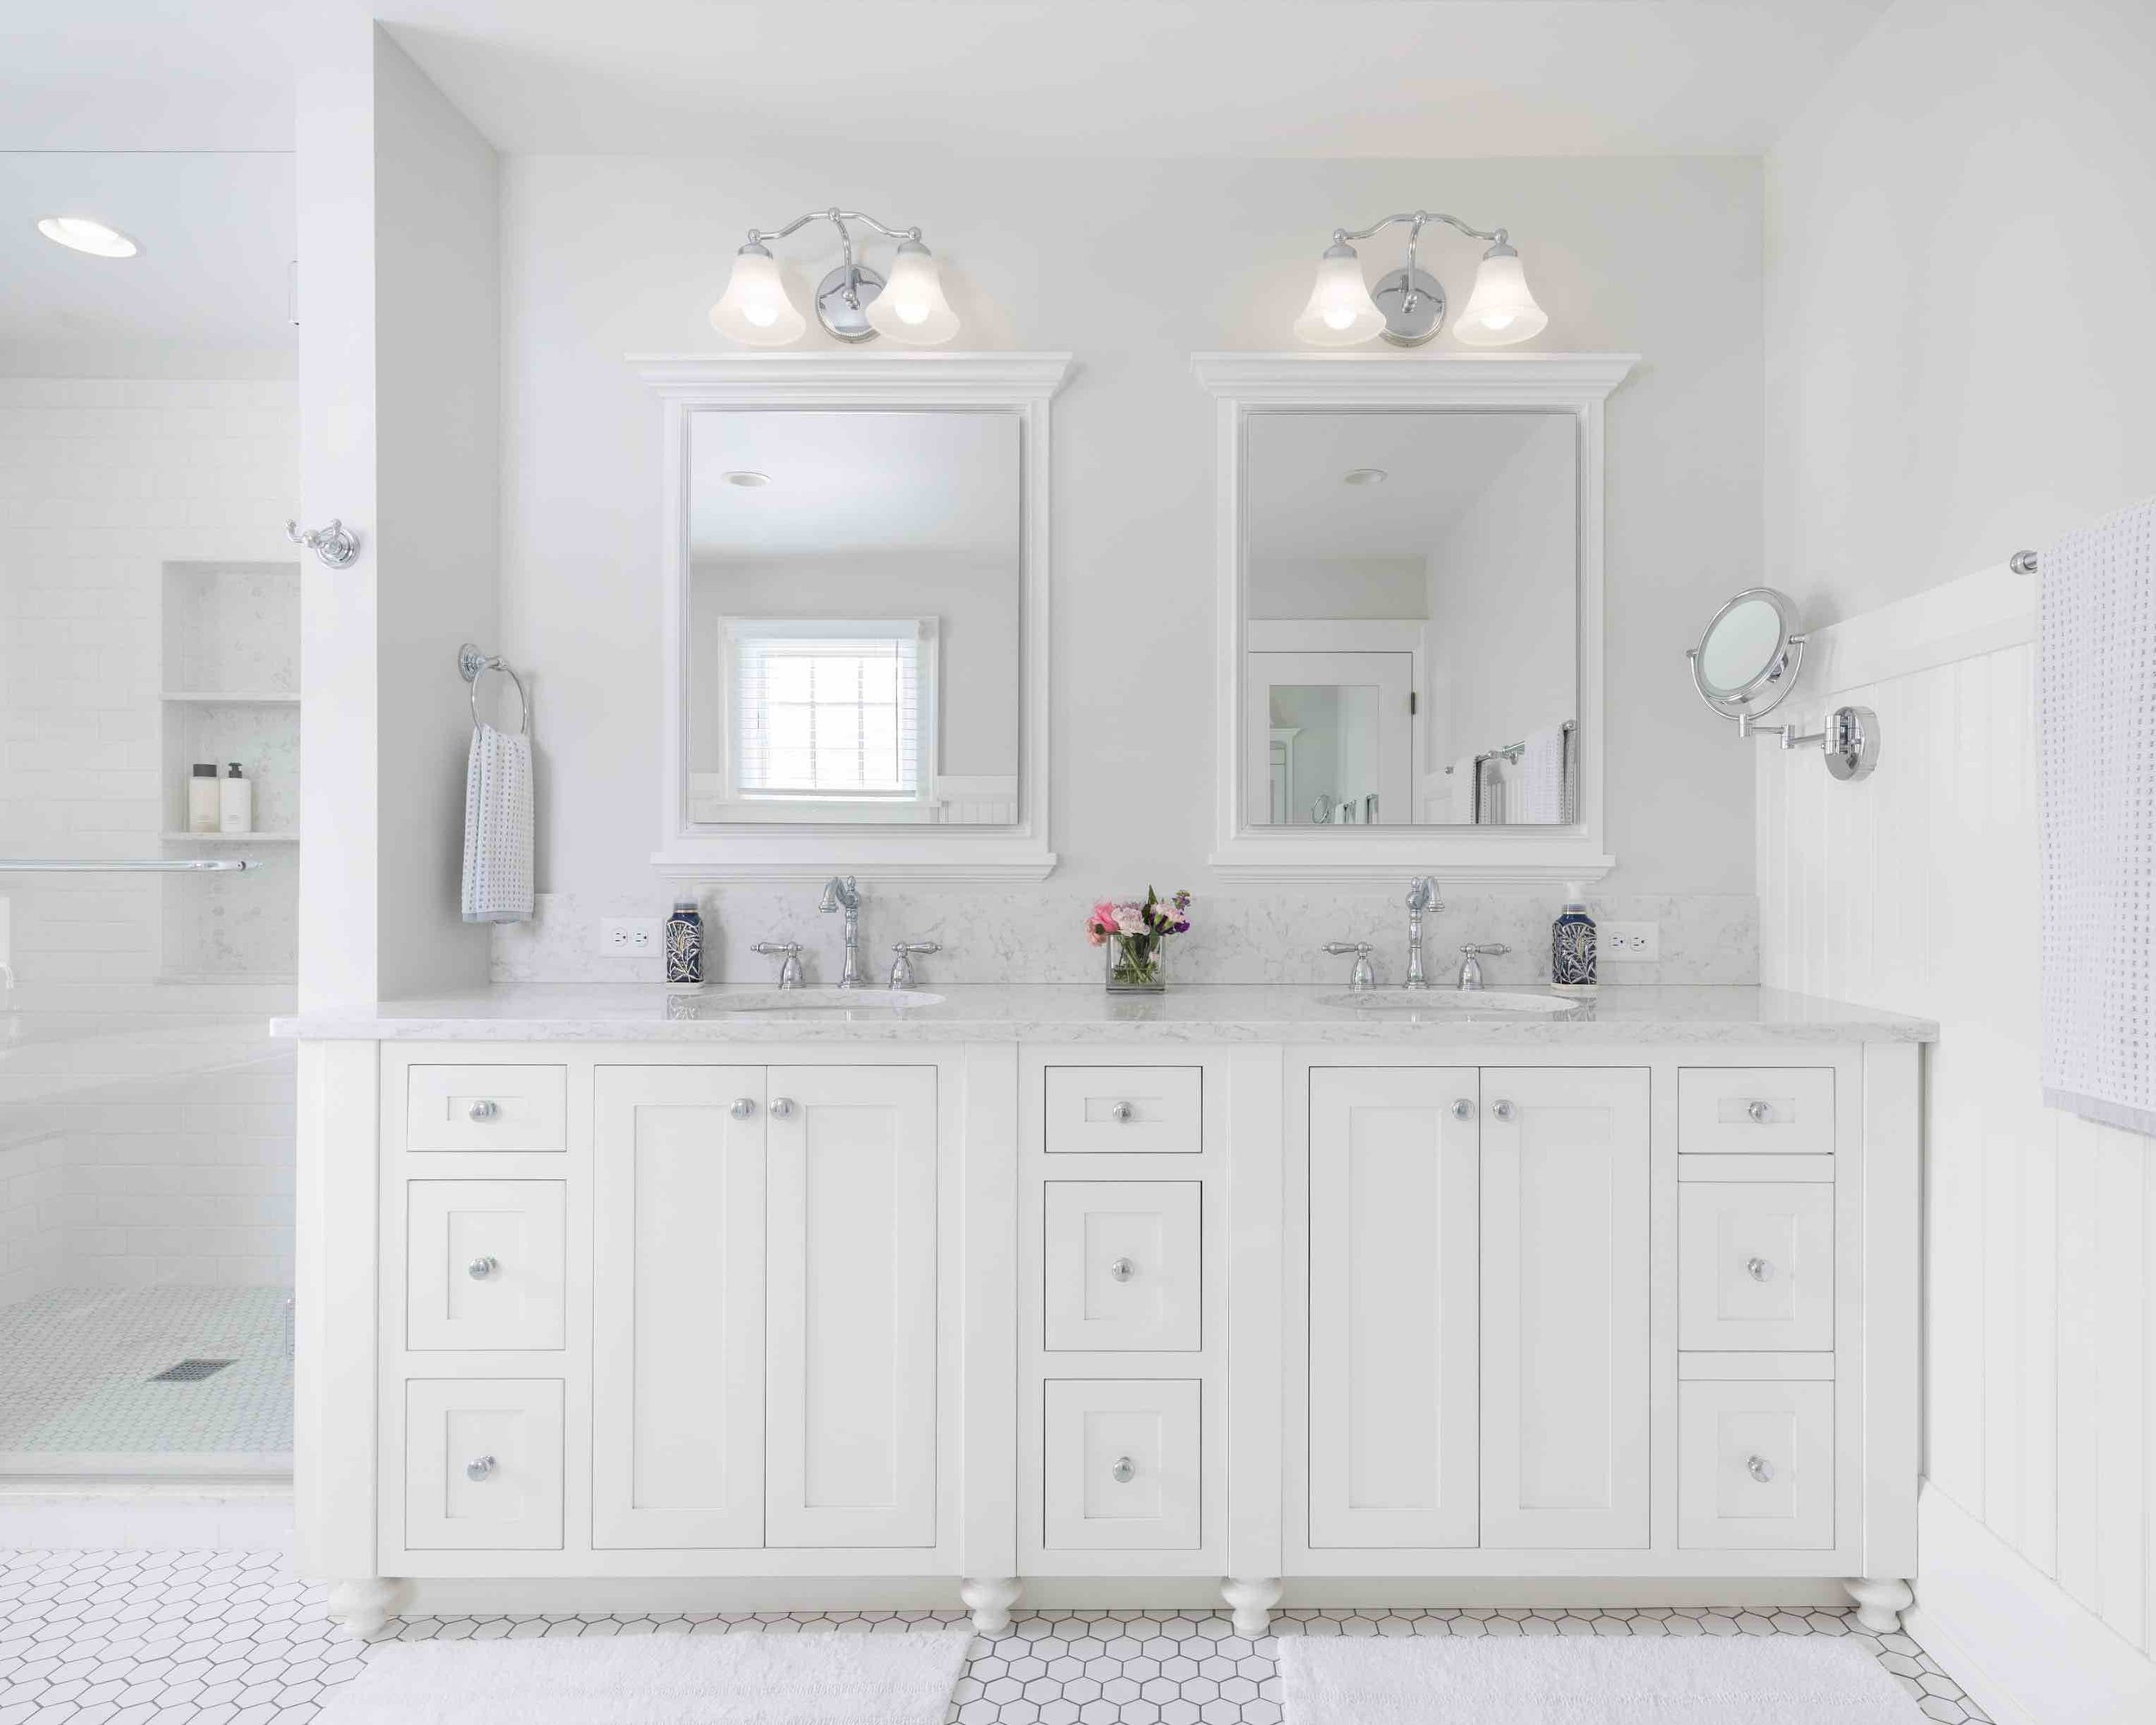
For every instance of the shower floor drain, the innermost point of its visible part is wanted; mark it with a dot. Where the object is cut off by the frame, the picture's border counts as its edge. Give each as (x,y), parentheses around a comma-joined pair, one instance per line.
(191,1371)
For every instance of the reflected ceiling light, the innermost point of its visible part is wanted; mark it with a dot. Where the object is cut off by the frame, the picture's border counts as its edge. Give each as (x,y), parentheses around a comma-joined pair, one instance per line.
(1364,476)
(1407,306)
(853,302)
(80,233)
(747,478)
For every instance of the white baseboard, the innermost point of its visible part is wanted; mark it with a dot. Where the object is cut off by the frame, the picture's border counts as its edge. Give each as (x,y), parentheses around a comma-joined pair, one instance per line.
(2006,1632)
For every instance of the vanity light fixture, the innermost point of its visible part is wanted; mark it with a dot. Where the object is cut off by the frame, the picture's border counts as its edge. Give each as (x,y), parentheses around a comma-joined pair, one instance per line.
(81,234)
(1408,305)
(853,302)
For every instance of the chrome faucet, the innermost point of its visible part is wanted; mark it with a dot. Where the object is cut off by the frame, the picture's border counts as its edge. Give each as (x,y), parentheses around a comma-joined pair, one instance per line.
(790,951)
(902,960)
(1422,895)
(1471,958)
(844,895)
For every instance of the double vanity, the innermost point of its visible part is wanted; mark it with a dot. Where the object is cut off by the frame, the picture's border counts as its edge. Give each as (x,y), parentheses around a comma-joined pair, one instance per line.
(756,1299)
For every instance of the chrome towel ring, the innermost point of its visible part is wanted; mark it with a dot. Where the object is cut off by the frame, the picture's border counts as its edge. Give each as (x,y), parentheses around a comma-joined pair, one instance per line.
(471,662)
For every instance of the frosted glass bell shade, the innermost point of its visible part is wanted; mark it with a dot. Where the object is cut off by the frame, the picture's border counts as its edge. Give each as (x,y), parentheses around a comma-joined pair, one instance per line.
(1341,312)
(755,308)
(1500,310)
(912,307)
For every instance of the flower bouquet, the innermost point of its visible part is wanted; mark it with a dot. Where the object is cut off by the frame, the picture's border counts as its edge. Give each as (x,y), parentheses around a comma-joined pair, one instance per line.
(1136,936)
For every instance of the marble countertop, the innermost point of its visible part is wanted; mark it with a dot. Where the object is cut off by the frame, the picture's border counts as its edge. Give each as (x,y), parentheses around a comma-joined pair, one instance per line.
(534,1011)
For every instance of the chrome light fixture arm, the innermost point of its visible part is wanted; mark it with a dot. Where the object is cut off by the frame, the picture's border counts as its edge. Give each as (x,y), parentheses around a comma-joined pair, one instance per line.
(838,218)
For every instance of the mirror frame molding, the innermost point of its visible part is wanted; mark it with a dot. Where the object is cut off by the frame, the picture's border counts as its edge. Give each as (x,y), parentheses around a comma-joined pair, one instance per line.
(1022,385)
(1242,383)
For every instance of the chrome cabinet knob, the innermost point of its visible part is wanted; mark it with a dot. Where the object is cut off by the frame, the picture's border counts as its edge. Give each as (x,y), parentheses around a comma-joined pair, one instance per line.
(781,1107)
(743,1106)
(1464,1110)
(1122,1113)
(1759,1270)
(1122,1269)
(1760,1469)
(478,1467)
(480,1268)
(1759,1112)
(1125,1471)
(484,1110)
(1504,1111)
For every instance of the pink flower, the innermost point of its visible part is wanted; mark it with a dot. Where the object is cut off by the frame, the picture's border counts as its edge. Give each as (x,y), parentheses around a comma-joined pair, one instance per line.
(1100,923)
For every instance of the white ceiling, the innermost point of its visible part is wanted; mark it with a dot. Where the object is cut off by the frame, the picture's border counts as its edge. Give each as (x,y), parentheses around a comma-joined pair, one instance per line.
(1301,510)
(853,482)
(1129,78)
(212,279)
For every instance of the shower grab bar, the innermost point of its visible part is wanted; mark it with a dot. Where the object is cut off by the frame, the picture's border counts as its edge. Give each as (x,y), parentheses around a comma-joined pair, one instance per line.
(125,865)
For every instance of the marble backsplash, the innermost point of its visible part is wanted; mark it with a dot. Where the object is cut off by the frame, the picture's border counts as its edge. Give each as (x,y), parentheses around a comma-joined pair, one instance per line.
(1036,935)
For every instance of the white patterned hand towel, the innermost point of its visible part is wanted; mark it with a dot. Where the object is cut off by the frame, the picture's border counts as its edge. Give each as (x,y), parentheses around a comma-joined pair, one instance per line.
(1459,784)
(498,828)
(1540,790)
(2095,718)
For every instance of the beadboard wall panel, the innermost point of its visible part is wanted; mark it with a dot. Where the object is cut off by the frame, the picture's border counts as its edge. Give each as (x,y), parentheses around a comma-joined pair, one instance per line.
(1917,891)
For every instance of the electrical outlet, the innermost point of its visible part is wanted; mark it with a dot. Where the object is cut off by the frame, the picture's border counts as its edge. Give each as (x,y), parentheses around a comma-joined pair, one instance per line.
(1628,943)
(632,936)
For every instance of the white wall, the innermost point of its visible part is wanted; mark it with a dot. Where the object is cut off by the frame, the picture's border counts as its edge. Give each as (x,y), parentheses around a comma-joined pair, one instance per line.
(1133,267)
(1958,357)
(400,393)
(1959,337)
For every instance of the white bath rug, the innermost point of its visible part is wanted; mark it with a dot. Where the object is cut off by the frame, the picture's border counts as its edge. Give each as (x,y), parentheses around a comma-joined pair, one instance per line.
(1583,1680)
(896,1679)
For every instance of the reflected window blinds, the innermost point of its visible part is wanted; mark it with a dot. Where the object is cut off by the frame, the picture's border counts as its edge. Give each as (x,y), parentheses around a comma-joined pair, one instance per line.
(831,709)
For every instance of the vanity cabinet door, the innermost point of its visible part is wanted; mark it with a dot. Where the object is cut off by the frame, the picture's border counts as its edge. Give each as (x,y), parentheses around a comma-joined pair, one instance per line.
(850,1358)
(1392,1178)
(678,1417)
(1564,1307)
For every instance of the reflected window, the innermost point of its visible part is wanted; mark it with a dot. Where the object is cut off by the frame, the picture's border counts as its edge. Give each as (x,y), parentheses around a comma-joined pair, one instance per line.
(830,711)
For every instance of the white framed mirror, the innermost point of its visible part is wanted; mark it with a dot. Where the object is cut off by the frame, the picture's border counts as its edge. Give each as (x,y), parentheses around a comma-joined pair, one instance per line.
(1410,606)
(857,614)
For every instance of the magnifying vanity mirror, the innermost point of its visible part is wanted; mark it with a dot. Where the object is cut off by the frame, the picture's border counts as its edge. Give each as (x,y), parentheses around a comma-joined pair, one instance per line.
(1746,664)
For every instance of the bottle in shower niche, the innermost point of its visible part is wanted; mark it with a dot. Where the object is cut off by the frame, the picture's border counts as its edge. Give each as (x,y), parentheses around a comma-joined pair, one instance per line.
(685,947)
(204,810)
(235,802)
(1572,942)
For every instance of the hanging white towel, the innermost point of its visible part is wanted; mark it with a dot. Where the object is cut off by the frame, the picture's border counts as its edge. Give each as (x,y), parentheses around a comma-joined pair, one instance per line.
(1539,795)
(498,828)
(2096,715)
(1459,785)
(1491,798)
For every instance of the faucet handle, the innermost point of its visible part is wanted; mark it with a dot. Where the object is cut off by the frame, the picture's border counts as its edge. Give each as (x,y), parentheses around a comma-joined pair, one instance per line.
(1362,977)
(902,964)
(1489,948)
(790,951)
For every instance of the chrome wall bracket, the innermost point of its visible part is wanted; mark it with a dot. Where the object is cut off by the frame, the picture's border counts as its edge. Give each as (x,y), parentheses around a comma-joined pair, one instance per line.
(336,544)
(1849,739)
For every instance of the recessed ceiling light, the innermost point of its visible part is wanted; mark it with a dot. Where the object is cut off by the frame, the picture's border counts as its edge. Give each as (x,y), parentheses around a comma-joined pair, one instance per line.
(1363,476)
(746,477)
(80,233)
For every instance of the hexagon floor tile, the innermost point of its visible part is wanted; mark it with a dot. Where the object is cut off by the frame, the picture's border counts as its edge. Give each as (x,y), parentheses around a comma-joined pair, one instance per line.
(230,1638)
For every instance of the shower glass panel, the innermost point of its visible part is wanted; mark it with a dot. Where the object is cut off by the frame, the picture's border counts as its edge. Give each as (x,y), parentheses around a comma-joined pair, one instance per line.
(149,618)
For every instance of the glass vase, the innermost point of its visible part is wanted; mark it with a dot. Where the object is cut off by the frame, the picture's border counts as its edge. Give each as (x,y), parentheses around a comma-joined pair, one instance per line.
(1137,965)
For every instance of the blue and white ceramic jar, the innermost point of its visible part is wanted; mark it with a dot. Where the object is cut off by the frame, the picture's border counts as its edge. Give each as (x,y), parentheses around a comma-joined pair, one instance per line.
(1572,942)
(685,946)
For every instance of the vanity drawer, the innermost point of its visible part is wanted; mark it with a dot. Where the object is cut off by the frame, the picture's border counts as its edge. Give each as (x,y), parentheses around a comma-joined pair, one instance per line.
(1780,1110)
(1119,1109)
(1755,1266)
(483,1465)
(483,1263)
(1122,1260)
(1121,1466)
(1755,1466)
(486,1108)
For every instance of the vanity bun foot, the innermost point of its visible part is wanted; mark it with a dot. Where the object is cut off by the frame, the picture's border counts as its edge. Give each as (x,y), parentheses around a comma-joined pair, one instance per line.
(1251,1599)
(990,1599)
(1880,1604)
(364,1606)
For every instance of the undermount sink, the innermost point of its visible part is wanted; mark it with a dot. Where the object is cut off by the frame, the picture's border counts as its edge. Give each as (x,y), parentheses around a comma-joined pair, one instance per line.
(1453,1002)
(806,999)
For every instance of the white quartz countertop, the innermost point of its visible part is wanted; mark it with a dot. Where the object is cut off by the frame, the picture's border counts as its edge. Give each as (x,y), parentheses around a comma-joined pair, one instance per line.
(532,1011)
